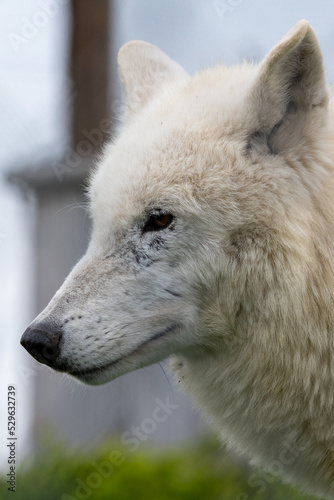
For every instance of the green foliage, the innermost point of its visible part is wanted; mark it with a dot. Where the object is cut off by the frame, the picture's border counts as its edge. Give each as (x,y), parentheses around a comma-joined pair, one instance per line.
(195,473)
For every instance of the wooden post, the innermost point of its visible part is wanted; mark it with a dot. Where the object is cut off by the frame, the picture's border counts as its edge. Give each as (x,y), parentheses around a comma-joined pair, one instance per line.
(89,66)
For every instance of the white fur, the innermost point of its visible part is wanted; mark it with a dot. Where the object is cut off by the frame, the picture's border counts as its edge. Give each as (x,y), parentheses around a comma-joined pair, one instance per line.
(240,287)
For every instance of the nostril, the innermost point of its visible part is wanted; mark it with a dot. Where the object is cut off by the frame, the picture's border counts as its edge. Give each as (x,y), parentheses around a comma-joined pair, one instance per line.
(42,342)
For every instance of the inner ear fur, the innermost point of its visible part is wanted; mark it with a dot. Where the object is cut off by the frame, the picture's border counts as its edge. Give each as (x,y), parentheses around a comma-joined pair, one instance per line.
(289,87)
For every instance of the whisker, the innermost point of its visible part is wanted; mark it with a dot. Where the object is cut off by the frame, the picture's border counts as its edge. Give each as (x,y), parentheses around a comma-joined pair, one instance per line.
(84,206)
(167,378)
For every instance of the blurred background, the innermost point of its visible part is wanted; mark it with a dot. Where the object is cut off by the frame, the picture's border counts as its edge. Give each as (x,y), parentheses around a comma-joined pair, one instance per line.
(60,101)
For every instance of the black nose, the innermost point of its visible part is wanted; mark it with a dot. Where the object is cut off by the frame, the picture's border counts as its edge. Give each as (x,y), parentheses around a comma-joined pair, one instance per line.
(42,341)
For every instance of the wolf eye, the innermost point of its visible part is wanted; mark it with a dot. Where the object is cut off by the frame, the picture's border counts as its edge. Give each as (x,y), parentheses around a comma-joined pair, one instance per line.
(157,222)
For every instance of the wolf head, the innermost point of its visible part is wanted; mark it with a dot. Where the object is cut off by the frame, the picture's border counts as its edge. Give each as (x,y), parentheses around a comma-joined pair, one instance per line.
(190,202)
(202,212)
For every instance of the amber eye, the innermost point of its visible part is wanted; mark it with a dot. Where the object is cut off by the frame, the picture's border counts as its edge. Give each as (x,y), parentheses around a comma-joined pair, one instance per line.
(157,222)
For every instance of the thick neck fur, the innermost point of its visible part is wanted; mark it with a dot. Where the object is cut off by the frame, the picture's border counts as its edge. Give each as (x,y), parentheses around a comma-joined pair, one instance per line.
(269,391)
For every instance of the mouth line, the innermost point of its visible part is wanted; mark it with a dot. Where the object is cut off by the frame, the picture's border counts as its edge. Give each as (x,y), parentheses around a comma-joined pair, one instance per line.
(92,371)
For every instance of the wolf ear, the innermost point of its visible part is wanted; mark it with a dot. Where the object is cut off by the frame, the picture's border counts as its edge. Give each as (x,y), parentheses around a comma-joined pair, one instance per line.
(143,69)
(289,91)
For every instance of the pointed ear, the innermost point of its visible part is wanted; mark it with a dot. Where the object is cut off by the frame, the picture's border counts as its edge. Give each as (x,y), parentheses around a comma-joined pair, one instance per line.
(289,91)
(143,69)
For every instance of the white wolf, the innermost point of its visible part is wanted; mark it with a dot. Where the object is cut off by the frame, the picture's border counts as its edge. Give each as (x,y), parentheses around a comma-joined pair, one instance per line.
(213,241)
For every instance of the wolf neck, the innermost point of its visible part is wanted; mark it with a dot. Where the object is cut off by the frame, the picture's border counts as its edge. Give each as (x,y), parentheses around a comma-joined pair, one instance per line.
(270,405)
(271,394)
